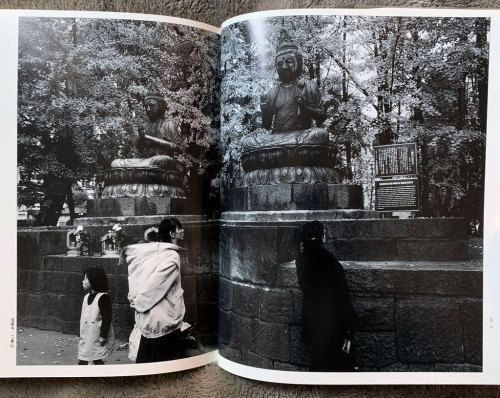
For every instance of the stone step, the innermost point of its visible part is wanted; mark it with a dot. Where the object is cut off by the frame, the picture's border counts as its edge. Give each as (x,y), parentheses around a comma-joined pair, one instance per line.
(446,278)
(255,243)
(35,243)
(135,220)
(298,215)
(352,223)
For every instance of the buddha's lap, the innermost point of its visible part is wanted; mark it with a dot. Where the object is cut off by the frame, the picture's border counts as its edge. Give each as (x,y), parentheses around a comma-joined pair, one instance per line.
(262,138)
(158,161)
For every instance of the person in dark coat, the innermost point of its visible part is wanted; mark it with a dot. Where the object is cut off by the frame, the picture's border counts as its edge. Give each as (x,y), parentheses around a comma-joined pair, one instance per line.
(328,317)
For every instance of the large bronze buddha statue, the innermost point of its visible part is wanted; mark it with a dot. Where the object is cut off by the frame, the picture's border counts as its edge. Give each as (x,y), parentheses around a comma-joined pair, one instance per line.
(157,173)
(291,146)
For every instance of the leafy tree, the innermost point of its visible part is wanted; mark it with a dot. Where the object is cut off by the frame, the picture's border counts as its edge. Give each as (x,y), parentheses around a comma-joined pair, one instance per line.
(81,87)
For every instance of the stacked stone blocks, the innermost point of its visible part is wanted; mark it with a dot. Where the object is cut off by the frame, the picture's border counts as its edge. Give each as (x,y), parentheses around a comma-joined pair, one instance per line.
(414,317)
(295,197)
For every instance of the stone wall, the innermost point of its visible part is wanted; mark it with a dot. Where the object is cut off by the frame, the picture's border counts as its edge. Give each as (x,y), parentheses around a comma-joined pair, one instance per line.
(415,316)
(49,282)
(253,243)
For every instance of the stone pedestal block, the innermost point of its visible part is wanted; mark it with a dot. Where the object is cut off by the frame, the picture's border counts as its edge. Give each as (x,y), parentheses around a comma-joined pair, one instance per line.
(413,317)
(141,206)
(317,196)
(375,349)
(253,244)
(240,332)
(272,340)
(375,314)
(246,300)
(34,243)
(253,252)
(135,224)
(251,359)
(299,353)
(471,312)
(457,367)
(429,330)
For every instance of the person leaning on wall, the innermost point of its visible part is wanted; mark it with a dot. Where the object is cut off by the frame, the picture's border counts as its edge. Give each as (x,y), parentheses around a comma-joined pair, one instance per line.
(328,316)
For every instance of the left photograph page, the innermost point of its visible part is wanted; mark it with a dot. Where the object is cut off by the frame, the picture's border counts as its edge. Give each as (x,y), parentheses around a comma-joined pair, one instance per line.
(115,122)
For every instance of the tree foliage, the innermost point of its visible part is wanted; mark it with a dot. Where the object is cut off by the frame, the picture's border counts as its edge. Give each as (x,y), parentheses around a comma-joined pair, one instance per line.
(398,79)
(81,87)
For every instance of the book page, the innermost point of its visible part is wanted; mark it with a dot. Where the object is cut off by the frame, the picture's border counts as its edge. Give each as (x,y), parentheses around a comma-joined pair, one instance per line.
(358,241)
(115,122)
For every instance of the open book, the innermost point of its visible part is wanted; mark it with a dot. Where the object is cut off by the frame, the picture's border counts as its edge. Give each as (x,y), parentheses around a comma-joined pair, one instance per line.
(298,195)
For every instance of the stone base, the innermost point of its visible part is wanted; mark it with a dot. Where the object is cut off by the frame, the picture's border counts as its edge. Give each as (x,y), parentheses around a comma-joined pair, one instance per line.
(318,196)
(402,275)
(142,206)
(423,317)
(253,244)
(129,221)
(133,190)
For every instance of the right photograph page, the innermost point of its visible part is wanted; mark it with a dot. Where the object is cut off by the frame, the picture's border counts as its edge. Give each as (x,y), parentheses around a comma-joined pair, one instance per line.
(353,186)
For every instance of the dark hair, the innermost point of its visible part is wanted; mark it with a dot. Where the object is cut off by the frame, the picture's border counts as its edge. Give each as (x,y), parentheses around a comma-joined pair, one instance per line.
(166,226)
(152,236)
(97,278)
(312,234)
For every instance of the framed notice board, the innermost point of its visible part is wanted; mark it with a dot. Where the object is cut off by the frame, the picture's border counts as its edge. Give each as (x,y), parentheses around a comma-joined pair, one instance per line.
(395,160)
(397,195)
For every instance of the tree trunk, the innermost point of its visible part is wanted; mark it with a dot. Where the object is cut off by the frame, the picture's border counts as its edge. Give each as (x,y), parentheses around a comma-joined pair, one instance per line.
(345,98)
(461,103)
(71,205)
(345,93)
(426,211)
(318,69)
(384,107)
(55,191)
(348,155)
(482,73)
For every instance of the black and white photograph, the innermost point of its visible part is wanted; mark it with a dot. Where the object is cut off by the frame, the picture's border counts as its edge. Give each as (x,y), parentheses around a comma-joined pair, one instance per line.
(118,185)
(301,197)
(352,186)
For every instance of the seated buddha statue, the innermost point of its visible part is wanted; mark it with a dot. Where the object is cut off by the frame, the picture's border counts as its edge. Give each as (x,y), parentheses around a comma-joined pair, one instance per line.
(288,147)
(157,172)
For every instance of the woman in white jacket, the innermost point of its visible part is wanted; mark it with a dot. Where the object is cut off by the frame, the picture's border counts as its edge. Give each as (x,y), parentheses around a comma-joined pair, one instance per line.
(155,292)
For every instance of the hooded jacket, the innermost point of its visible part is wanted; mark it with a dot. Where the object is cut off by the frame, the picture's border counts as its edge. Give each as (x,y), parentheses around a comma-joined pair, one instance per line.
(155,291)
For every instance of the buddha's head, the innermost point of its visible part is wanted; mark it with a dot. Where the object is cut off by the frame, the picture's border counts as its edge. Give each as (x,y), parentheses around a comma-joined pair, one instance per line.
(288,60)
(154,103)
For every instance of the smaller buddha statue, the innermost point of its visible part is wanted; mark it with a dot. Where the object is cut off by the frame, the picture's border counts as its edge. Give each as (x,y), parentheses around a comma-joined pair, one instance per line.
(291,146)
(157,173)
